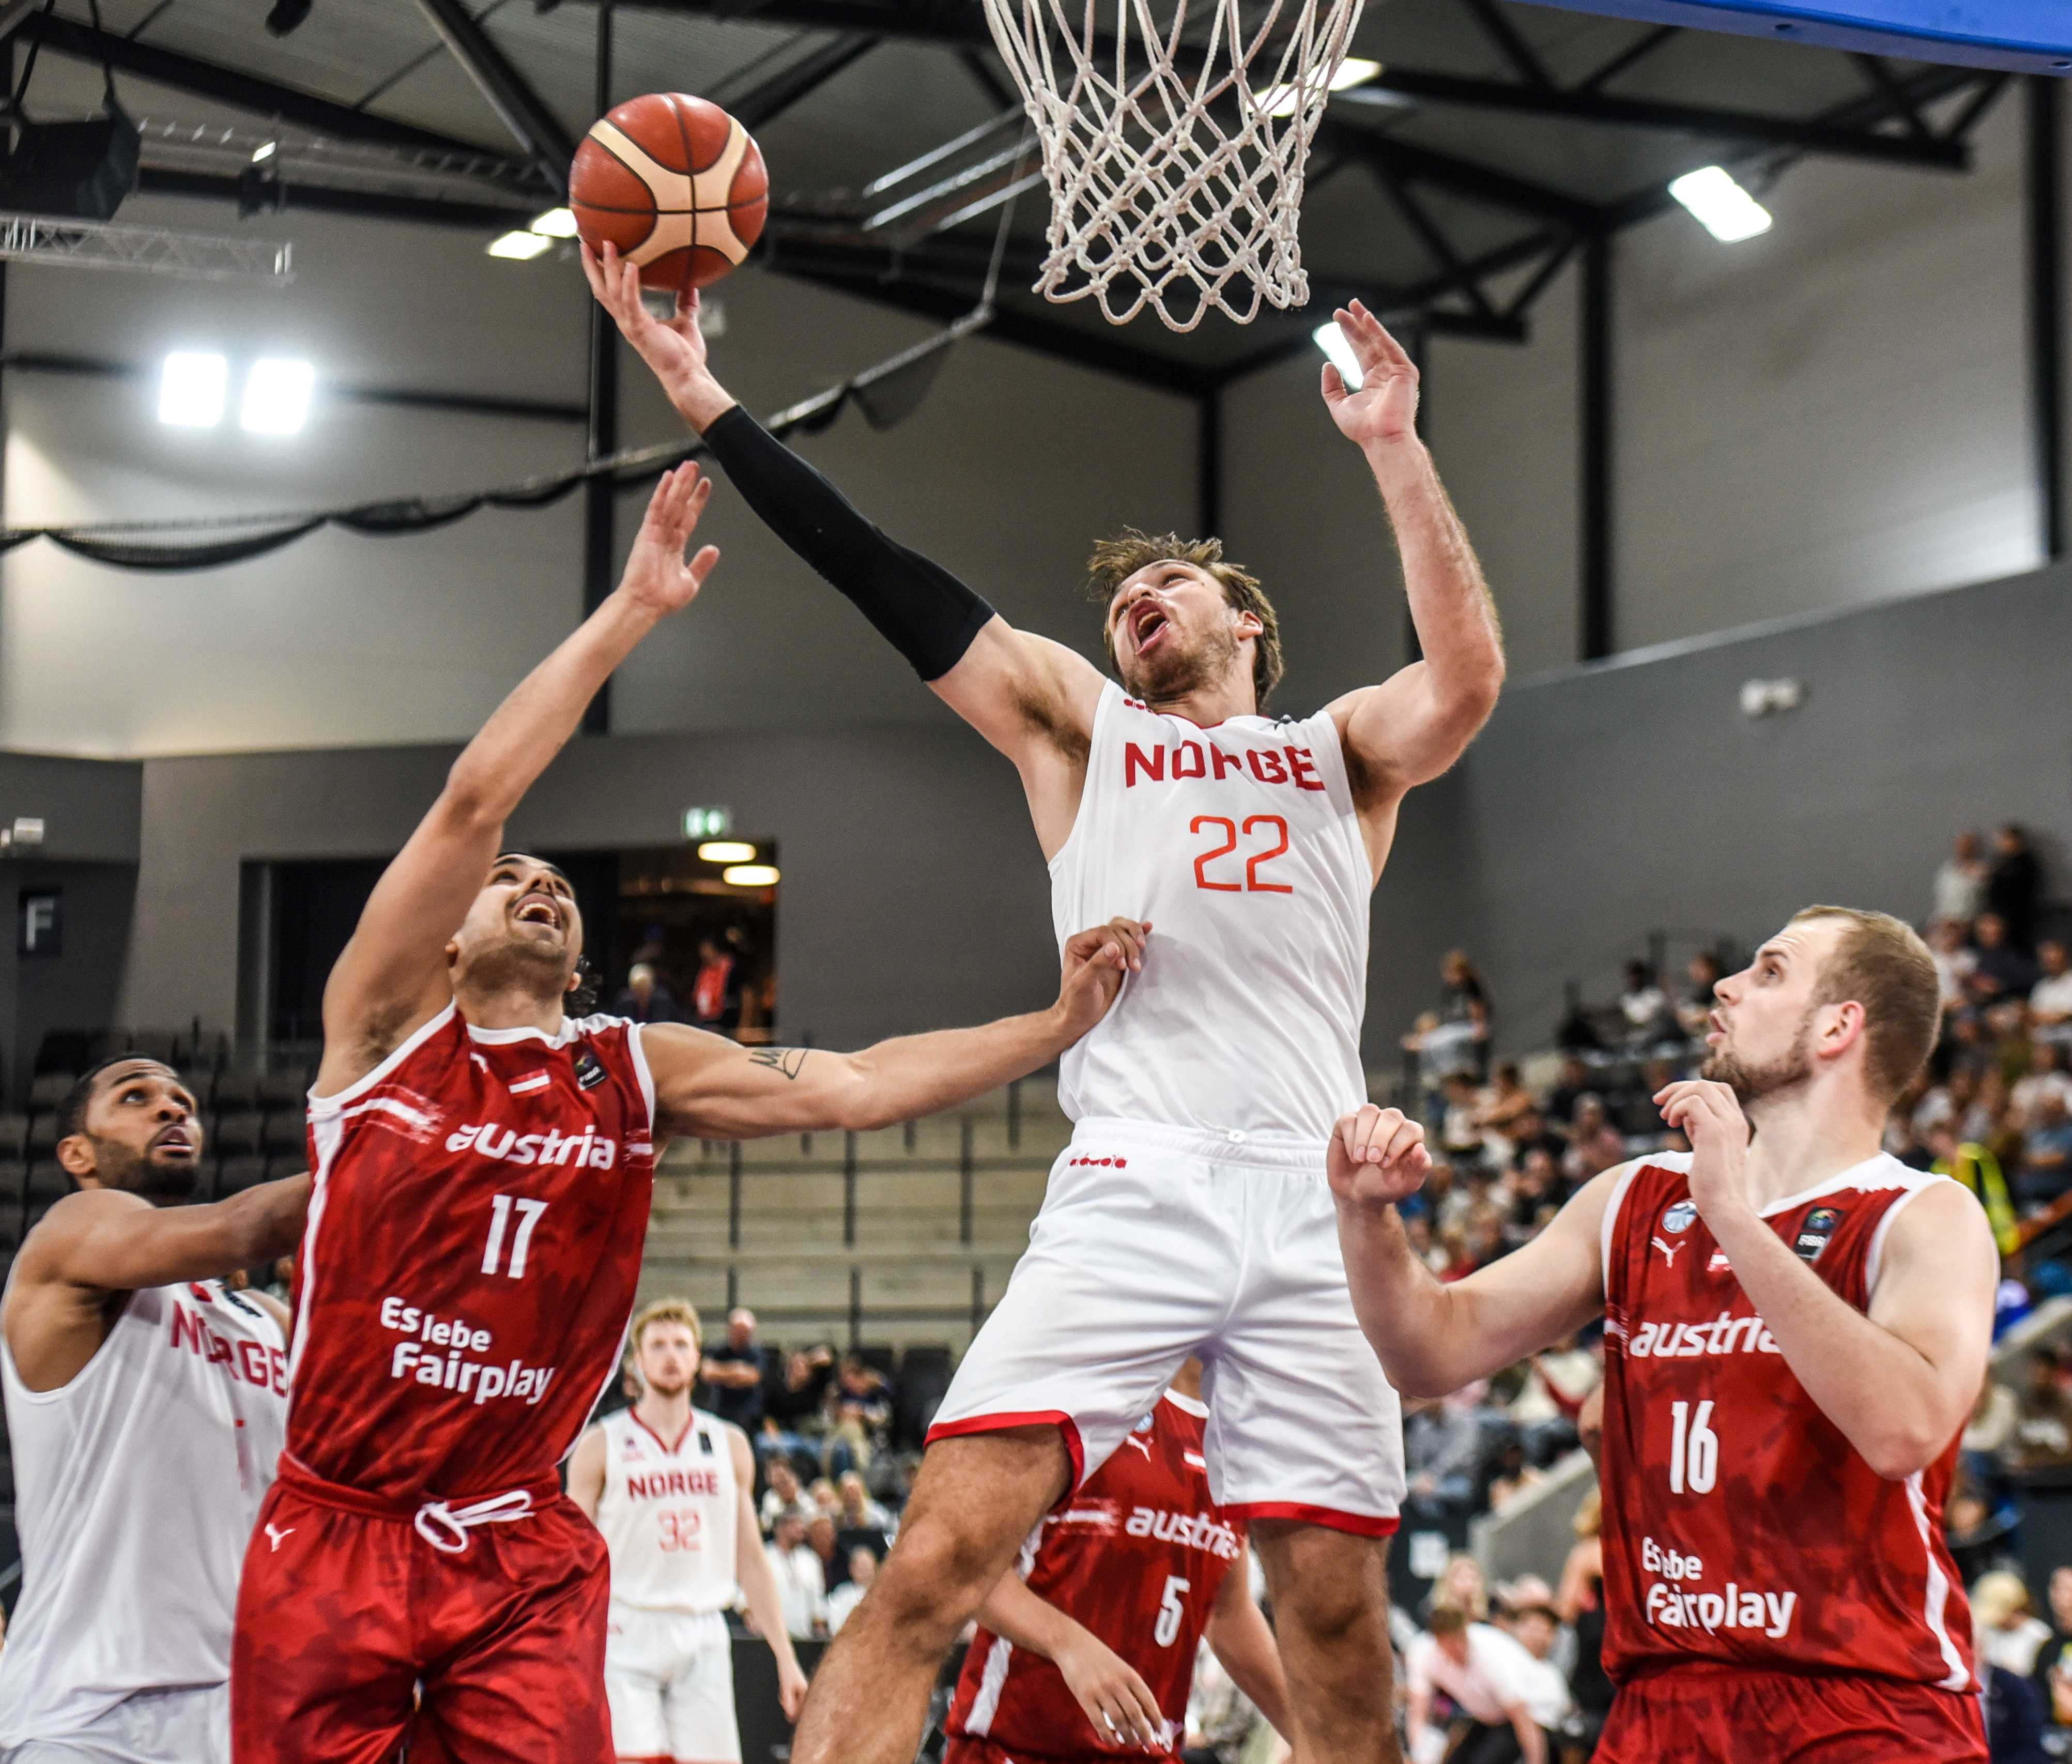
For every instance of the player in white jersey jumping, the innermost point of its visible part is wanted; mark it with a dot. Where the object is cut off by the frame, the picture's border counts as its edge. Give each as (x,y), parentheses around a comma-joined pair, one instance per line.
(146,1402)
(670,1486)
(1190,1213)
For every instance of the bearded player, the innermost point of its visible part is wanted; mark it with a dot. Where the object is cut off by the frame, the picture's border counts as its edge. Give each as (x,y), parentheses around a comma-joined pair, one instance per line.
(1088,1642)
(670,1487)
(145,1401)
(1796,1327)
(483,1164)
(1190,1213)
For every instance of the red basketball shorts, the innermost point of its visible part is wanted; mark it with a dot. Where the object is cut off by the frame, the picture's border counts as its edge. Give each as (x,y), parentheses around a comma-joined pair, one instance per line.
(1717,1715)
(355,1633)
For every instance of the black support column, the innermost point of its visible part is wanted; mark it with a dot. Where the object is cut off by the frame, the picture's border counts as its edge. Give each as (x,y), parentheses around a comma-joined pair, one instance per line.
(1209,465)
(1594,634)
(2044,237)
(600,528)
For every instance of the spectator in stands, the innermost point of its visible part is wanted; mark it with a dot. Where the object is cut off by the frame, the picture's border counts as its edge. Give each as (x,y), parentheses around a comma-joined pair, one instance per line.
(1557,1383)
(1507,1701)
(1694,1009)
(1463,998)
(2050,999)
(823,1497)
(2052,1672)
(2046,1153)
(1645,1006)
(860,1411)
(1977,1536)
(1989,1434)
(1949,945)
(2043,1434)
(1530,1132)
(2046,1073)
(1581,1602)
(783,1494)
(645,999)
(1570,1088)
(1443,1048)
(822,1538)
(792,1405)
(1442,1444)
(1960,882)
(2013,1710)
(1461,1129)
(1510,1475)
(2009,1634)
(1531,1193)
(732,1373)
(1594,1144)
(799,1578)
(1505,1103)
(859,1512)
(715,992)
(2014,886)
(1221,1718)
(1462,1584)
(1999,969)
(862,1570)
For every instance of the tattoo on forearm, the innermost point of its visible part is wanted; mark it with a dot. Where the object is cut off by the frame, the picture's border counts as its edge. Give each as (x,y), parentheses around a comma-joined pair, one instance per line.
(786,1060)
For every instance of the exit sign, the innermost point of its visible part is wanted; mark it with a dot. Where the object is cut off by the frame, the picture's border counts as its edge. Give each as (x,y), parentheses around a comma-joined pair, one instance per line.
(707,823)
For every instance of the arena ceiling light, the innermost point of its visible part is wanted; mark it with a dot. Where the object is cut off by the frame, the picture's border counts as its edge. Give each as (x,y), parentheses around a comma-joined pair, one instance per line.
(520,245)
(1332,341)
(727,851)
(1722,207)
(264,151)
(556,224)
(750,876)
(277,397)
(1285,100)
(193,389)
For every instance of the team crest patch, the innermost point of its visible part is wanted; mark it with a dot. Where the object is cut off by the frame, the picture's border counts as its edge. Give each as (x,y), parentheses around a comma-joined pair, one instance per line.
(588,1070)
(704,1443)
(1814,1234)
(1680,1217)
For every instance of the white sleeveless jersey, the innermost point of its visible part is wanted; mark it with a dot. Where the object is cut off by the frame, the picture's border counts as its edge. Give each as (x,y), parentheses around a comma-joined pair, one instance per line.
(136,1487)
(670,1514)
(1239,843)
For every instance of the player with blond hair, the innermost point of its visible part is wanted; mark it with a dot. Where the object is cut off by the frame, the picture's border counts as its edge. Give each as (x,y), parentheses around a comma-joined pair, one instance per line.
(1796,1326)
(670,1486)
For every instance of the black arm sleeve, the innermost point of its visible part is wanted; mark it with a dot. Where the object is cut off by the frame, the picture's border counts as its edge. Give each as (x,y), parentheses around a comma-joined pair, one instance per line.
(919,608)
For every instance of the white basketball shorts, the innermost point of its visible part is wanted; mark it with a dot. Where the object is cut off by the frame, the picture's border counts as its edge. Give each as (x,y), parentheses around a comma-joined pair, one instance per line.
(668,1677)
(190,1726)
(1155,1243)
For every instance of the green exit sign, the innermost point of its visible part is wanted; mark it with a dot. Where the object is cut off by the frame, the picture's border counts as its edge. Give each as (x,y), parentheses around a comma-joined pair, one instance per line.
(707,823)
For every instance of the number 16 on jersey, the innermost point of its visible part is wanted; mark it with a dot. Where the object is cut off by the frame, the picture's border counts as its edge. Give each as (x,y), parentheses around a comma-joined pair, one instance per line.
(1694,1449)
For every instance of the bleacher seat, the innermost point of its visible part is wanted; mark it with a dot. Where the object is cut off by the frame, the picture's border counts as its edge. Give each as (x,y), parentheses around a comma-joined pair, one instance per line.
(878,1358)
(285,1089)
(285,1131)
(14,1135)
(67,1052)
(14,1185)
(162,1045)
(235,1090)
(41,1140)
(48,1184)
(924,1380)
(241,1135)
(236,1174)
(49,1089)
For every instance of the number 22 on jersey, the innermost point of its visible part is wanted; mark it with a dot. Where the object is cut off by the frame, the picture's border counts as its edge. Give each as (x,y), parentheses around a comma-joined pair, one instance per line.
(1225,882)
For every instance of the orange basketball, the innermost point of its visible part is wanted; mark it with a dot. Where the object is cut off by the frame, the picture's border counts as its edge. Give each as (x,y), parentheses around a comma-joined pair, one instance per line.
(675,183)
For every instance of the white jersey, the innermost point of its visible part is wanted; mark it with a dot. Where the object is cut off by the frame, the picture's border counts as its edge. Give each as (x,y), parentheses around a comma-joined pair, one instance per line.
(670,1514)
(1240,845)
(136,1488)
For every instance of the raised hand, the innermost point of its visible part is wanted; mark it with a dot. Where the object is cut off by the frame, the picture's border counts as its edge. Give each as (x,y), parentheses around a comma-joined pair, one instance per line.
(1377,1158)
(1709,1115)
(1096,962)
(674,349)
(657,577)
(1384,410)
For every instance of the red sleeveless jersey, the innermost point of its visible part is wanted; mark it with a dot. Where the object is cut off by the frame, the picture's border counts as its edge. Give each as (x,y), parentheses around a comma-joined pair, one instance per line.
(1740,1527)
(473,1241)
(1136,1557)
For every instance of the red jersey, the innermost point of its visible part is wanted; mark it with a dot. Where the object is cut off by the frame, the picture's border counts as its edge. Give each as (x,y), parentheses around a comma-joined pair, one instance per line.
(1741,1526)
(474,1242)
(1136,1557)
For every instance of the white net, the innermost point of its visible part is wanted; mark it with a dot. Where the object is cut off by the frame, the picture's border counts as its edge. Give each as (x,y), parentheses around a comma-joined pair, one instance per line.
(1174,164)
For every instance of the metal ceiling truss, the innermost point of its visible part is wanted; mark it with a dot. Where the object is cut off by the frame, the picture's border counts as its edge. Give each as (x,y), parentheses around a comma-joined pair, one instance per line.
(532,124)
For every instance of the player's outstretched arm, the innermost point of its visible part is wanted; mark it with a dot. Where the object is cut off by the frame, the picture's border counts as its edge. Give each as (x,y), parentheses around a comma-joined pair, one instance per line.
(1237,1635)
(392,976)
(1900,1379)
(1116,1699)
(1433,1338)
(707,1085)
(586,1466)
(1414,726)
(1026,695)
(758,1583)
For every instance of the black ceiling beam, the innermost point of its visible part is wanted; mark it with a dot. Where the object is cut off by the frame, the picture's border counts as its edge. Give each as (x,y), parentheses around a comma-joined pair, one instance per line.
(778,92)
(536,128)
(369,204)
(241,91)
(1805,136)
(1514,48)
(1629,57)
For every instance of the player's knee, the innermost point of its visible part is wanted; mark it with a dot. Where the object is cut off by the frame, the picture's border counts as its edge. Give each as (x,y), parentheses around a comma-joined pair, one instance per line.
(1333,1616)
(938,1573)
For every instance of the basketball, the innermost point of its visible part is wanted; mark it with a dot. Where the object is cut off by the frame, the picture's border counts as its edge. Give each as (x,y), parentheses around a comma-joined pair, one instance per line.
(676,184)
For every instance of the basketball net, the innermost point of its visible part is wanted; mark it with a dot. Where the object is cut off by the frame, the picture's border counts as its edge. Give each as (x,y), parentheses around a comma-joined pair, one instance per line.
(1175,171)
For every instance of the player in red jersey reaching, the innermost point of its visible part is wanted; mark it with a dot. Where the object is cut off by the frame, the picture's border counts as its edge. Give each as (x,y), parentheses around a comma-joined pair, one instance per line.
(482,1165)
(1088,1642)
(1796,1326)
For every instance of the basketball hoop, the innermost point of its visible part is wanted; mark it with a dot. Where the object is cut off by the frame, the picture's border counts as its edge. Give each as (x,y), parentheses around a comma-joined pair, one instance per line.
(1175,175)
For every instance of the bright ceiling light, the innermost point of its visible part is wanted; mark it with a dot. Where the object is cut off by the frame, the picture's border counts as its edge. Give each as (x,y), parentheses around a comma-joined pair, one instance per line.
(556,224)
(277,397)
(520,244)
(264,151)
(1332,341)
(750,876)
(1725,210)
(727,851)
(192,388)
(1285,100)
